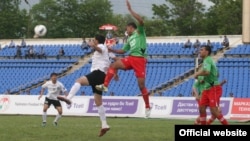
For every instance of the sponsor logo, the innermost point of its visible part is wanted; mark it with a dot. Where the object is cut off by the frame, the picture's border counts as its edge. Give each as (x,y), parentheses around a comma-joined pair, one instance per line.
(4,103)
(160,107)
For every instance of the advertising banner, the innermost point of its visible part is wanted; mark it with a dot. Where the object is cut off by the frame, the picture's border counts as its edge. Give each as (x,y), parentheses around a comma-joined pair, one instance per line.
(79,106)
(20,104)
(187,107)
(30,105)
(241,108)
(115,106)
(122,106)
(161,107)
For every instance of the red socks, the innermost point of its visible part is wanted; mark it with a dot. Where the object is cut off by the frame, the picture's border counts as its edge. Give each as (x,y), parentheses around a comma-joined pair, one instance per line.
(222,120)
(211,120)
(110,74)
(145,96)
(203,120)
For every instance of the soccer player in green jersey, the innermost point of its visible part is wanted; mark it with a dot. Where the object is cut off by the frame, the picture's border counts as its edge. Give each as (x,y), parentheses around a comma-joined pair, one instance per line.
(212,89)
(197,89)
(136,45)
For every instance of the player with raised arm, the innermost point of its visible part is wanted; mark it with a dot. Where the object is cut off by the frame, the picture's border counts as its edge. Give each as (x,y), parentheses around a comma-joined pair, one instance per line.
(55,88)
(99,67)
(212,89)
(136,45)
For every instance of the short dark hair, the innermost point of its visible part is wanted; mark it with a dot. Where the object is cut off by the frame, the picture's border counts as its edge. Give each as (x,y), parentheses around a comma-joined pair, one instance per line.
(100,39)
(53,74)
(132,24)
(207,48)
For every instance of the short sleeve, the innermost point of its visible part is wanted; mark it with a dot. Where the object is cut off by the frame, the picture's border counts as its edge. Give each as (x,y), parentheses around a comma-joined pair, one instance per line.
(126,47)
(141,29)
(45,85)
(195,85)
(102,47)
(207,65)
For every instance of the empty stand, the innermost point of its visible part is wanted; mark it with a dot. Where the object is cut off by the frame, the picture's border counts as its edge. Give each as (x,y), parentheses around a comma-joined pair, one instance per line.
(22,73)
(173,49)
(160,68)
(240,51)
(235,70)
(50,50)
(158,71)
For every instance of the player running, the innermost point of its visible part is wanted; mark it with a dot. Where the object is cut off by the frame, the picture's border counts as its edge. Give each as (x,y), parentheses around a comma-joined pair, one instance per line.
(212,89)
(197,89)
(55,88)
(136,45)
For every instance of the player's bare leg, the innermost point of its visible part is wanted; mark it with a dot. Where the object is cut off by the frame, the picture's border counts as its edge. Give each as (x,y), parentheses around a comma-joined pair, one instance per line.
(197,121)
(203,115)
(101,112)
(82,81)
(216,113)
(110,74)
(145,95)
(58,116)
(212,118)
(44,116)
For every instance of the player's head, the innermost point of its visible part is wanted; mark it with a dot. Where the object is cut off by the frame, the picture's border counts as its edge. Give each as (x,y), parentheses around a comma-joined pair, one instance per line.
(131,27)
(205,51)
(53,77)
(99,39)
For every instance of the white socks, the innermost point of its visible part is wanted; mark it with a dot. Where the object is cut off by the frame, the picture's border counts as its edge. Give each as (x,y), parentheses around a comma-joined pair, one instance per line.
(101,112)
(57,117)
(74,89)
(44,116)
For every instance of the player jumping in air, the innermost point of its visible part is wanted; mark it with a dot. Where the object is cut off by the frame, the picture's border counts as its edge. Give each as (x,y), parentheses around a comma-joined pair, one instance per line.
(212,89)
(136,45)
(99,67)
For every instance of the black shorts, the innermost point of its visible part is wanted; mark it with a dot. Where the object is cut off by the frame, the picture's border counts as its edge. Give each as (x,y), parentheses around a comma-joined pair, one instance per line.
(56,103)
(96,77)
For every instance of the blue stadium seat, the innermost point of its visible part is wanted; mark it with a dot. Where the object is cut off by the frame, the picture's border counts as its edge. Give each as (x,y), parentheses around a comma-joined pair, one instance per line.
(25,73)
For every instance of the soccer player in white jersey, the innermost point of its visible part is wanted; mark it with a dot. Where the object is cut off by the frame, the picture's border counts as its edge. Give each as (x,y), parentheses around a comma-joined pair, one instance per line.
(55,88)
(100,64)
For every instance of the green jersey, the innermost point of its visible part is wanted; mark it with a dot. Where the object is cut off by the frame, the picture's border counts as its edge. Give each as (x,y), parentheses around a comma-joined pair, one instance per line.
(212,78)
(199,84)
(136,43)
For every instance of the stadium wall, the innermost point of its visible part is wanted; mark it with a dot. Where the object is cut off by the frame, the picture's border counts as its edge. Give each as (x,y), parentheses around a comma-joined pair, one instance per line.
(117,106)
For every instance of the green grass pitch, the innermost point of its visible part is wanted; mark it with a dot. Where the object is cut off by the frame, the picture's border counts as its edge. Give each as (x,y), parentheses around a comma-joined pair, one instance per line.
(28,128)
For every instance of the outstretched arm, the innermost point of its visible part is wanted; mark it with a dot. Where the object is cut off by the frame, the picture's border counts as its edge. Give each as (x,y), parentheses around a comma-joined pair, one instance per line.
(119,51)
(41,94)
(135,15)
